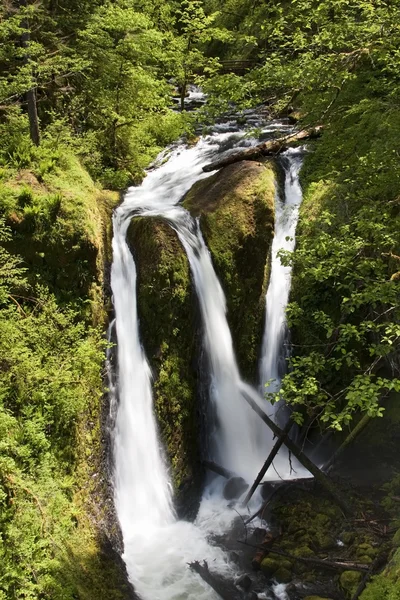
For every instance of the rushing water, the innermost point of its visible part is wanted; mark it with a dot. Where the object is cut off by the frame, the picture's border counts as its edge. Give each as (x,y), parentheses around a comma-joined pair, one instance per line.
(273,357)
(157,546)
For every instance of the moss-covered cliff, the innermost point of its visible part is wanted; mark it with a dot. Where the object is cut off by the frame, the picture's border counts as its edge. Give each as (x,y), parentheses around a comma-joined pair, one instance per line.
(237,211)
(236,206)
(59,535)
(168,329)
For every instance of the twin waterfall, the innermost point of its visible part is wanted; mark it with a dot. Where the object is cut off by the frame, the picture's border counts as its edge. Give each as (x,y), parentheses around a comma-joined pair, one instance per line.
(158,547)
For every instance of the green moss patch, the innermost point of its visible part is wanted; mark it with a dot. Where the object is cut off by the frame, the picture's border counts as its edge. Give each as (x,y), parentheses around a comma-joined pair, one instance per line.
(56,518)
(167,327)
(236,206)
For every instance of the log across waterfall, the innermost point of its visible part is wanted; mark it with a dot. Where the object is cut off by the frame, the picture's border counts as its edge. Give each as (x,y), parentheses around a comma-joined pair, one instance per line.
(158,548)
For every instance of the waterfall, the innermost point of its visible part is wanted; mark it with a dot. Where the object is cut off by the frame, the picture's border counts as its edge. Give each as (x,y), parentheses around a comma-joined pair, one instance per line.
(157,547)
(240,441)
(273,356)
(136,447)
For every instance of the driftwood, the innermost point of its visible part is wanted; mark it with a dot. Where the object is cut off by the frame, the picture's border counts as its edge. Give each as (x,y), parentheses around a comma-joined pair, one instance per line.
(323,479)
(269,148)
(277,446)
(225,589)
(212,466)
(317,562)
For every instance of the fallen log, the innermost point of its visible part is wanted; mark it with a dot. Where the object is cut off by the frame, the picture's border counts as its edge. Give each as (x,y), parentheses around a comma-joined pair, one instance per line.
(277,446)
(268,148)
(212,466)
(317,562)
(225,589)
(323,479)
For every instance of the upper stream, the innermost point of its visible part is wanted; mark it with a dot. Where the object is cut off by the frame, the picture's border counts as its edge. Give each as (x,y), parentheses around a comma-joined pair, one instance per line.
(158,547)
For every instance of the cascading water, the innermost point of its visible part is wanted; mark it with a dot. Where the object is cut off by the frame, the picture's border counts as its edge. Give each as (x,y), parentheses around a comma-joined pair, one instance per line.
(273,363)
(236,443)
(157,547)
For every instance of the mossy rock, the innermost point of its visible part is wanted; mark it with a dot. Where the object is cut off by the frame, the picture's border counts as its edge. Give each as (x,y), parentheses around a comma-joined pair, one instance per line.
(236,206)
(62,229)
(303,552)
(283,575)
(366,550)
(269,566)
(168,330)
(347,537)
(349,581)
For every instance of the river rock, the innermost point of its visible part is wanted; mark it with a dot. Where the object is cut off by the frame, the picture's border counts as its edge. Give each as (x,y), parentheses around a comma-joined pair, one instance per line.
(244,582)
(234,488)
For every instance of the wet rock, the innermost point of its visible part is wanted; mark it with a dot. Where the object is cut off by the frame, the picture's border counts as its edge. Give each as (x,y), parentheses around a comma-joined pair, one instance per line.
(316,598)
(349,581)
(234,488)
(269,565)
(244,582)
(283,575)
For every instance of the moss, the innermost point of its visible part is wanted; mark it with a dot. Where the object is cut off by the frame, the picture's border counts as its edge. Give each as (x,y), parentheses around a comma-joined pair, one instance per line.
(367,550)
(385,586)
(236,206)
(347,537)
(303,552)
(269,565)
(283,575)
(61,227)
(349,581)
(167,324)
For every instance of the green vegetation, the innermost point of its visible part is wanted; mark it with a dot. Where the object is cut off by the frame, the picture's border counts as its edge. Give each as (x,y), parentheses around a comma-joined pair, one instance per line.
(237,211)
(86,91)
(167,326)
(53,524)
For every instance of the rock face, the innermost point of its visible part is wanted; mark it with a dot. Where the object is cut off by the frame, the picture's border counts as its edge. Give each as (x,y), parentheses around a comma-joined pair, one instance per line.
(168,328)
(236,209)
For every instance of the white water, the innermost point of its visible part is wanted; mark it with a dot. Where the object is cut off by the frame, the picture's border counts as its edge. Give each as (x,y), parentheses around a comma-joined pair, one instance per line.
(157,547)
(273,363)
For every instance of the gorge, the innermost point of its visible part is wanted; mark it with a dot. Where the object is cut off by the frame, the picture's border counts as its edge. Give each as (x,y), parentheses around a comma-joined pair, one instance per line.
(238,441)
(130,419)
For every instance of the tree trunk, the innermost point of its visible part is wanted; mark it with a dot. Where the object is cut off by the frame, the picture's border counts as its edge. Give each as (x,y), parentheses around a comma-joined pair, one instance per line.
(323,479)
(30,95)
(183,95)
(317,562)
(277,446)
(269,148)
(33,116)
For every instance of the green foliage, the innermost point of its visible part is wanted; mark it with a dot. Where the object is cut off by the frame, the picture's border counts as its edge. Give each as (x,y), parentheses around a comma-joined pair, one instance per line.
(237,210)
(11,271)
(345,309)
(51,386)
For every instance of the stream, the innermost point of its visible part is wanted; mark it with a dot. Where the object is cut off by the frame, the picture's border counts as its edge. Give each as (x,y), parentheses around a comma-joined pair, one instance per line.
(157,546)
